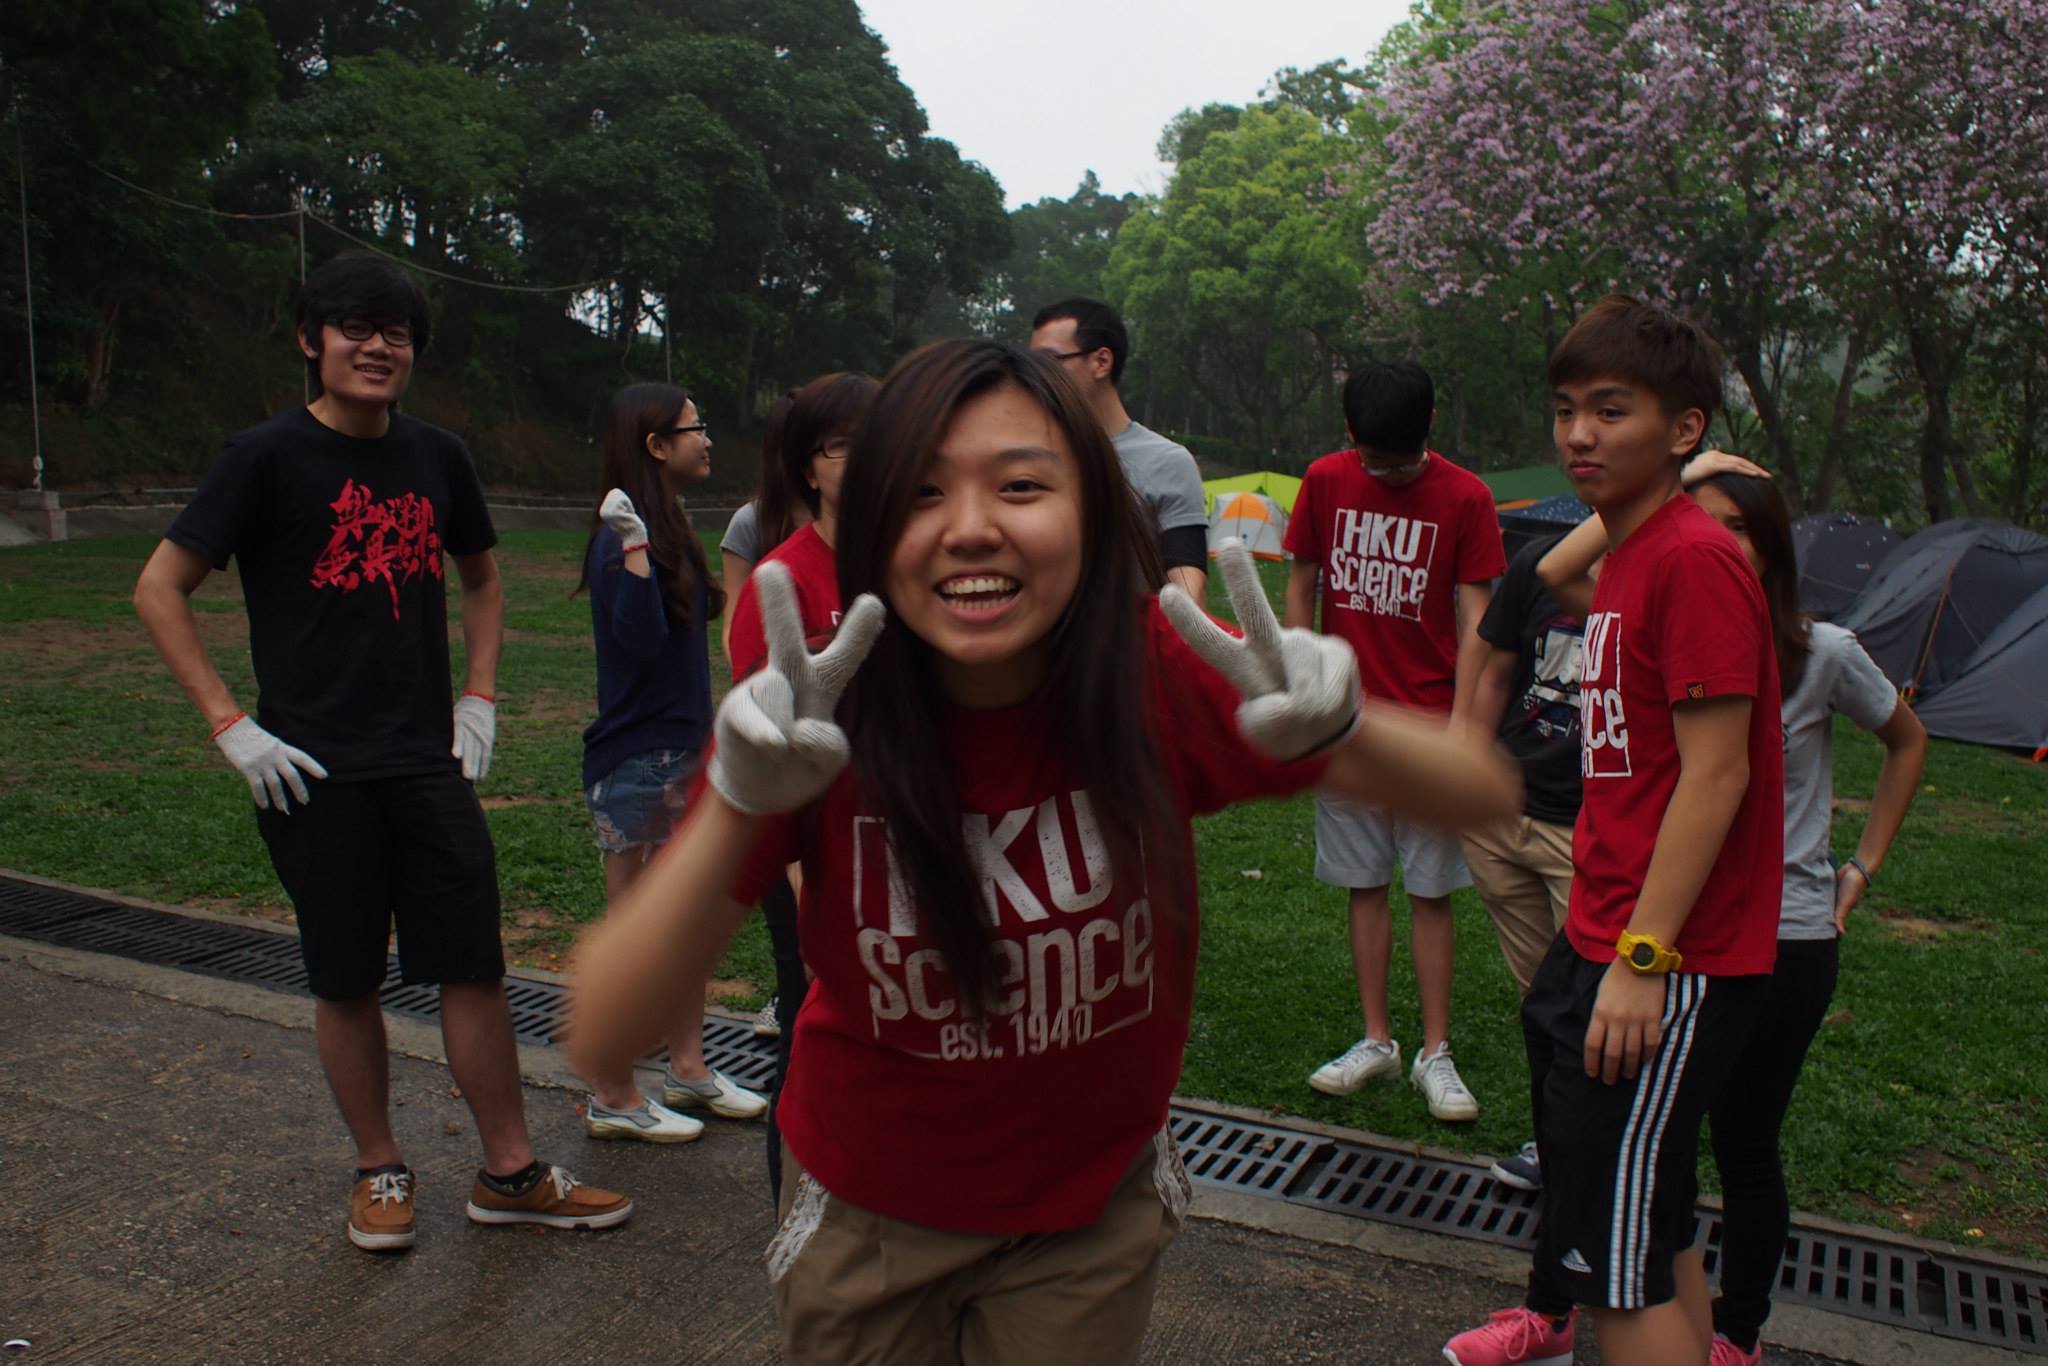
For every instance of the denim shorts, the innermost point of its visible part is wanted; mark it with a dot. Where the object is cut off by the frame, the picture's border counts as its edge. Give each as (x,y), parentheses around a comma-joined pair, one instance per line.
(640,801)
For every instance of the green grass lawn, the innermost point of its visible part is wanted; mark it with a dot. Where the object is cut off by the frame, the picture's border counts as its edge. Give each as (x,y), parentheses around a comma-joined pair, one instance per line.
(1922,1102)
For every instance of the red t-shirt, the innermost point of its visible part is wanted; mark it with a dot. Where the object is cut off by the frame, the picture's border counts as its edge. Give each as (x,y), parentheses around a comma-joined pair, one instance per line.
(1022,1122)
(1390,560)
(1677,615)
(813,572)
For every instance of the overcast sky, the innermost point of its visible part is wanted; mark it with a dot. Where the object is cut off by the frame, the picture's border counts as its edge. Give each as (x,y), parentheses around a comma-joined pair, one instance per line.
(1041,92)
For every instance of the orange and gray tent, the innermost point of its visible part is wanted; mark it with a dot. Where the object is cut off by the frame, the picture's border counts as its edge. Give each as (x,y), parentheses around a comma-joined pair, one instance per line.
(1940,595)
(1253,518)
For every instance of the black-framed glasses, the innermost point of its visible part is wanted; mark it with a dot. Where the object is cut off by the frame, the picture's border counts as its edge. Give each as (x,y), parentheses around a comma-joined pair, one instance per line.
(833,450)
(680,428)
(362,329)
(1064,355)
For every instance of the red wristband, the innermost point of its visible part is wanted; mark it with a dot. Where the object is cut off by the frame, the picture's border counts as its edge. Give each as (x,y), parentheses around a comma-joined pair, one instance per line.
(472,692)
(627,550)
(215,733)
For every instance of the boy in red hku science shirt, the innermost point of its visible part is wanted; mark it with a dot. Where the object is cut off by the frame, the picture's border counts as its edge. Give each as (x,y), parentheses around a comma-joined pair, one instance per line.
(1405,545)
(1639,1011)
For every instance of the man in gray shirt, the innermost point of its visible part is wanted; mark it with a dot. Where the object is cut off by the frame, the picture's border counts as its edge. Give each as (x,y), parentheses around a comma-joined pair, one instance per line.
(1088,338)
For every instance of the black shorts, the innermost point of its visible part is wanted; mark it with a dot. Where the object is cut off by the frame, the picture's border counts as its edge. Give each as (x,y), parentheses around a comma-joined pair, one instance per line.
(361,854)
(1620,1162)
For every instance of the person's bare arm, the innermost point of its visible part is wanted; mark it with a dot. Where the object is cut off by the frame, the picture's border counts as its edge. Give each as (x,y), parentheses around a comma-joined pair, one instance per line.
(1492,679)
(1471,602)
(163,599)
(1713,774)
(1416,766)
(1905,757)
(483,621)
(671,925)
(1298,601)
(1567,567)
(1194,582)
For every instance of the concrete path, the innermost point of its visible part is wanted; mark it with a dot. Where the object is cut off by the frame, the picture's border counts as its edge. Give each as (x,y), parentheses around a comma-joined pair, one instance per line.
(176,1180)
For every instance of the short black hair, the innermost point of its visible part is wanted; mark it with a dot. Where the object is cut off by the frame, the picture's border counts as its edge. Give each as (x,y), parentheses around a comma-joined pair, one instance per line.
(1388,406)
(1647,346)
(360,284)
(1096,325)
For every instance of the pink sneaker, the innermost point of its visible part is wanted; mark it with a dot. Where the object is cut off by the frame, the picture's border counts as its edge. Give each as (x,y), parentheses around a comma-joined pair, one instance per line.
(1726,1353)
(1514,1337)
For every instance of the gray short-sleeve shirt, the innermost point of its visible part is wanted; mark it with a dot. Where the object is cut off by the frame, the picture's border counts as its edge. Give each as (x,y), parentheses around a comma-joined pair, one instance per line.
(1839,677)
(743,535)
(1164,475)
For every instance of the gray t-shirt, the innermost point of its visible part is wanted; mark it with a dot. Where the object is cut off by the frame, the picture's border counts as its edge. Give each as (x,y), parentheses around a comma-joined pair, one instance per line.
(1164,475)
(743,535)
(1839,677)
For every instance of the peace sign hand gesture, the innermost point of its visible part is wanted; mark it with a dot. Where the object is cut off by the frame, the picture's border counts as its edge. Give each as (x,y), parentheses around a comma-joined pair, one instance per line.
(778,746)
(1300,689)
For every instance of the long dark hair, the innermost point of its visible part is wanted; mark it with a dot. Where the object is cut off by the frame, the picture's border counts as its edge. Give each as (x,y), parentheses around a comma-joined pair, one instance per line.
(1769,528)
(1099,680)
(802,420)
(637,412)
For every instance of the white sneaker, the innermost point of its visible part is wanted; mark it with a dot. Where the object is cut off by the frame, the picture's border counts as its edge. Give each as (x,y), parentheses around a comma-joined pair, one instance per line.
(766,1025)
(1436,1076)
(1357,1065)
(719,1092)
(648,1122)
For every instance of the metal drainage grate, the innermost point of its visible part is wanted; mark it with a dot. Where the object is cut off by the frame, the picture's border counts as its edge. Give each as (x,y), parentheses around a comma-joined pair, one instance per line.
(1946,1295)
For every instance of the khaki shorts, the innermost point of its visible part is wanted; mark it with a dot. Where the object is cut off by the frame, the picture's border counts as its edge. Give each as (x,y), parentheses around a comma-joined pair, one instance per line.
(1522,870)
(853,1286)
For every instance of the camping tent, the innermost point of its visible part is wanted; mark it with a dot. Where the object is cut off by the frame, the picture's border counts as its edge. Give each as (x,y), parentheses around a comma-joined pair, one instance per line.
(1936,598)
(1533,521)
(1837,552)
(1253,518)
(1998,697)
(1281,488)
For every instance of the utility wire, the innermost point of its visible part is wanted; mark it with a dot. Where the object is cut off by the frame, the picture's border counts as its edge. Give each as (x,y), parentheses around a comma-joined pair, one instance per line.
(302,214)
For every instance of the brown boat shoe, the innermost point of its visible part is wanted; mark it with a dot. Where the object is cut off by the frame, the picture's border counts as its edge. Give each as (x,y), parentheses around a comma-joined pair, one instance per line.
(380,1217)
(557,1200)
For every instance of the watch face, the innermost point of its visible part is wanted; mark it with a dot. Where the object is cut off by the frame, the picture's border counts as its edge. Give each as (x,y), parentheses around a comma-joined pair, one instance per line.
(1642,955)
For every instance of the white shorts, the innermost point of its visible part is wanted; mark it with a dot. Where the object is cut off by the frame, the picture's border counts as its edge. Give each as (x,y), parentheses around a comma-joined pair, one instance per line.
(1356,846)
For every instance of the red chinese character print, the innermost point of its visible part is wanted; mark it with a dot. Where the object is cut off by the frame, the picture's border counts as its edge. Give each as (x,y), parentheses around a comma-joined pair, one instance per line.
(372,542)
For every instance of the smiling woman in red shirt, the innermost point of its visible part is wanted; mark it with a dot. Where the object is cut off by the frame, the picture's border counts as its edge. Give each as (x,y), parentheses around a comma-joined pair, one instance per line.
(999,894)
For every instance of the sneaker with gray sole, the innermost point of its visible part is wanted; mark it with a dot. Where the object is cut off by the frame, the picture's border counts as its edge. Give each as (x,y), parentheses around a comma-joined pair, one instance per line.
(1523,1171)
(718,1093)
(648,1122)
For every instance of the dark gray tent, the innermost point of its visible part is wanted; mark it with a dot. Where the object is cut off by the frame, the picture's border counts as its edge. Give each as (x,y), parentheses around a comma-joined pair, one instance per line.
(1544,517)
(1838,552)
(1939,596)
(2001,695)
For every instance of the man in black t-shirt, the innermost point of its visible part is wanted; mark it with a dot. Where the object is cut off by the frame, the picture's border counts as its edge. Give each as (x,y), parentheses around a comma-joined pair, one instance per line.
(1522,869)
(339,516)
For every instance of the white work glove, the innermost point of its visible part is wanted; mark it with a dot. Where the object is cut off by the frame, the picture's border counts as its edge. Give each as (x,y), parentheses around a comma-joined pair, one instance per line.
(270,765)
(476,733)
(618,513)
(1300,689)
(778,746)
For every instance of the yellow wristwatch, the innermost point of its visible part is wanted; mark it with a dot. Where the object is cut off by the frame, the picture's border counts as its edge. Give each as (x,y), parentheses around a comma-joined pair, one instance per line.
(1644,954)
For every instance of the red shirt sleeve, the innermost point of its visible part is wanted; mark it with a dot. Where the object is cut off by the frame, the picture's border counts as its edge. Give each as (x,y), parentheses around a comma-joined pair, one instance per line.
(1480,553)
(1711,636)
(749,642)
